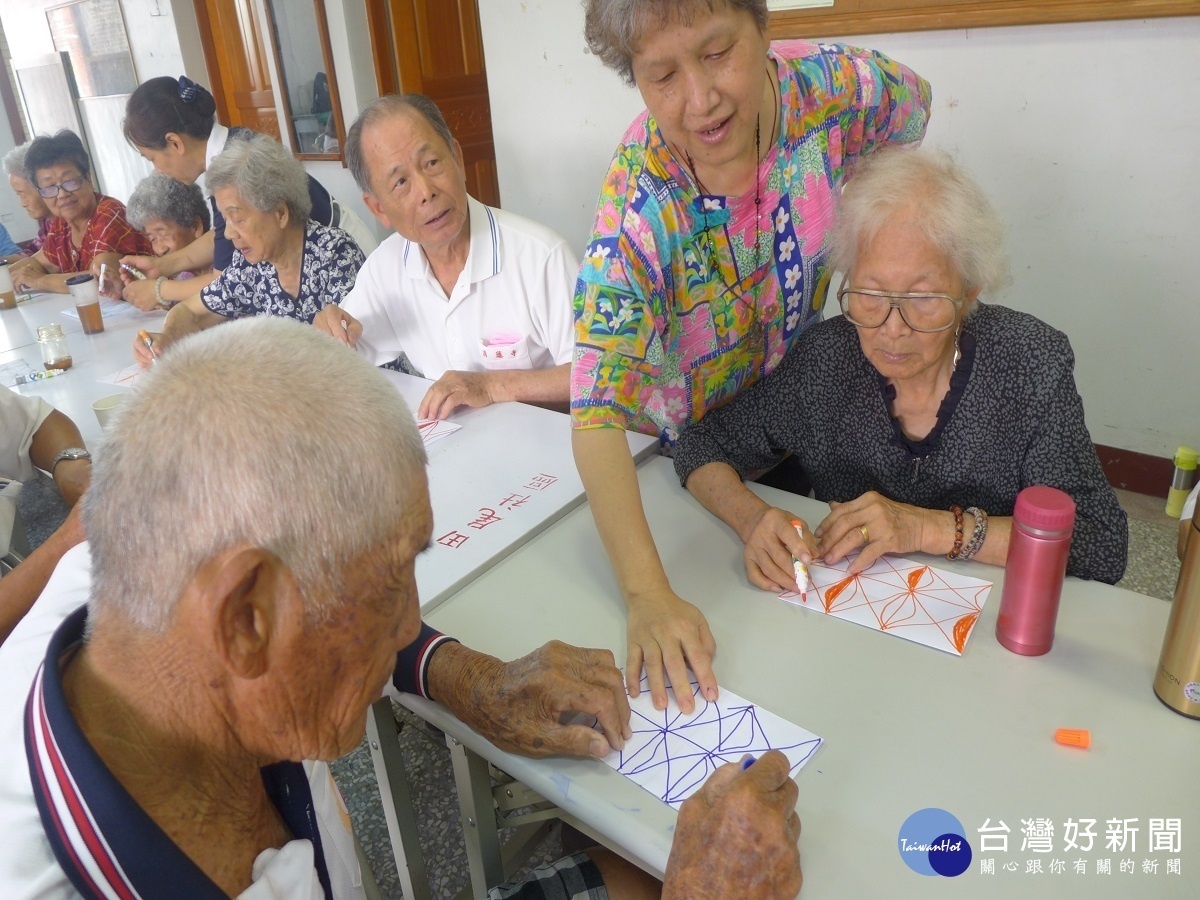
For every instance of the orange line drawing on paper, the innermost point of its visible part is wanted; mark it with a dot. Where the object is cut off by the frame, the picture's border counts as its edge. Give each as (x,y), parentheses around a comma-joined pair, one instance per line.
(920,603)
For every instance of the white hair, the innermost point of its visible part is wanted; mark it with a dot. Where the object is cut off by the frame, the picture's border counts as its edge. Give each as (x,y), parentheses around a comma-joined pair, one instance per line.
(264,174)
(14,161)
(945,204)
(261,432)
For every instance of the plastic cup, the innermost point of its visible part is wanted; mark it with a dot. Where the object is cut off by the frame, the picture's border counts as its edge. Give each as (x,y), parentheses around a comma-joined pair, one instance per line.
(87,303)
(106,407)
(8,297)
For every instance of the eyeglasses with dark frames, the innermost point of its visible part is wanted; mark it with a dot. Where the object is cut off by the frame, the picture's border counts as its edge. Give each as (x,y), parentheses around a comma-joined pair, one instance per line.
(71,185)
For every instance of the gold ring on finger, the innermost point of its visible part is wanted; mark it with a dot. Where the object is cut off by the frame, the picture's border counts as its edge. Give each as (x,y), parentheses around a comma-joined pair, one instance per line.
(862,529)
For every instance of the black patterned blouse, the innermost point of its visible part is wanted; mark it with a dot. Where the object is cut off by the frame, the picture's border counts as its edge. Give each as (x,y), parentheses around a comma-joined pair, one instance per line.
(327,272)
(1012,418)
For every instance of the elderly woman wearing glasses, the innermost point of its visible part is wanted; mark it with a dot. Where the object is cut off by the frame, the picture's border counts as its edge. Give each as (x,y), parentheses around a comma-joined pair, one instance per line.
(921,410)
(88,228)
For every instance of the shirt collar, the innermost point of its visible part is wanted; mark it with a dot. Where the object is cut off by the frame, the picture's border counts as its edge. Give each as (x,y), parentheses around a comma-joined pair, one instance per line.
(216,143)
(483,258)
(105,843)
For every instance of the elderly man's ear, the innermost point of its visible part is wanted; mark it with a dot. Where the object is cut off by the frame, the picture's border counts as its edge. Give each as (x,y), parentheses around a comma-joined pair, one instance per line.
(247,599)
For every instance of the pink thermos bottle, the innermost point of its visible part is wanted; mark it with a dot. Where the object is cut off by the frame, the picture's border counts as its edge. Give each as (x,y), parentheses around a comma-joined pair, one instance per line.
(1043,520)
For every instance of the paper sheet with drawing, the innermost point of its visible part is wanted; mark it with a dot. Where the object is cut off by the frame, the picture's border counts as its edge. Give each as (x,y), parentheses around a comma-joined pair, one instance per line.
(435,429)
(672,754)
(109,309)
(127,377)
(920,603)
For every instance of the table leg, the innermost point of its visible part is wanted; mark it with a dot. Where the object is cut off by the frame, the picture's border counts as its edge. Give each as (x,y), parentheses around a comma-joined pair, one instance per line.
(478,813)
(396,795)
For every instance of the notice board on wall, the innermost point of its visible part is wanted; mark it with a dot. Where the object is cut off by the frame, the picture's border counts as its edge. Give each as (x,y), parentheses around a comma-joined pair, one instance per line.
(845,17)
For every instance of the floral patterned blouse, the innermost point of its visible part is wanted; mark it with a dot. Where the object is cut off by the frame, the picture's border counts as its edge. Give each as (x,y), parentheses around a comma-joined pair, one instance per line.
(685,299)
(327,272)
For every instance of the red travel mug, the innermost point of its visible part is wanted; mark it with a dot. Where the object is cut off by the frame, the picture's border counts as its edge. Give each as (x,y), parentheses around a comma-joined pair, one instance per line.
(1043,521)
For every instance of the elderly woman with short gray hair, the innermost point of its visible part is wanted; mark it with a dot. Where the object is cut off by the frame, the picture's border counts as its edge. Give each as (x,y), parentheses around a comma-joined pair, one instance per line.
(27,194)
(284,264)
(173,215)
(921,412)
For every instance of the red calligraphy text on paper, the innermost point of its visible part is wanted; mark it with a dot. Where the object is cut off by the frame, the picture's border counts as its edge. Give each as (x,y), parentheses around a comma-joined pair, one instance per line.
(487,516)
(512,501)
(453,540)
(540,482)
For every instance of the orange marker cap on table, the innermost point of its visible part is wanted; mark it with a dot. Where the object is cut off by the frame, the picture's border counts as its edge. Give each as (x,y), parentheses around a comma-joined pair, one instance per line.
(1074,737)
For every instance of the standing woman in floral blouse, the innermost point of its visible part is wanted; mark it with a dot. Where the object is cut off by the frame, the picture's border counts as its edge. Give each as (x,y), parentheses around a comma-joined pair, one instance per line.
(708,255)
(284,263)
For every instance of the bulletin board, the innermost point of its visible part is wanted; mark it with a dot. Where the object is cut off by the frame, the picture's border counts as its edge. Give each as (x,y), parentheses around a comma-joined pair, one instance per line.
(879,16)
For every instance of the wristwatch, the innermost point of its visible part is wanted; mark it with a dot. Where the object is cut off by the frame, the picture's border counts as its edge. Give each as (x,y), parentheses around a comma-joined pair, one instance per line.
(69,453)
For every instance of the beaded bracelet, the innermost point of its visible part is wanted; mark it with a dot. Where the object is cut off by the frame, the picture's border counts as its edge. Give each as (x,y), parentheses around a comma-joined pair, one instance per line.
(158,283)
(978,535)
(958,533)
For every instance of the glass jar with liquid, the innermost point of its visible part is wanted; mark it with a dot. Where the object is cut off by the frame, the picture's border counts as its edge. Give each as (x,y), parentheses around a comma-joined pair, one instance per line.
(53,344)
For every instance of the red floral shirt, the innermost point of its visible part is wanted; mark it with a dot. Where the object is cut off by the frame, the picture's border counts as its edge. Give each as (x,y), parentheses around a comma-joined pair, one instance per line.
(107,232)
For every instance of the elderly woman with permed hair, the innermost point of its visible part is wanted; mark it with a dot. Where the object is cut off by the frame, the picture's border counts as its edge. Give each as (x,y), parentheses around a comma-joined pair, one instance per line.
(921,411)
(707,260)
(284,264)
(173,215)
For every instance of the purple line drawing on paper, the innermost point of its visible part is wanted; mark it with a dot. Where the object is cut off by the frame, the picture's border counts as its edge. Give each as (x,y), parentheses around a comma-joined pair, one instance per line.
(672,754)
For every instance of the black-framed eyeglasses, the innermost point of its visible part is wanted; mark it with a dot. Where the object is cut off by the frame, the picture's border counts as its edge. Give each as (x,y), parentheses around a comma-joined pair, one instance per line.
(71,185)
(920,311)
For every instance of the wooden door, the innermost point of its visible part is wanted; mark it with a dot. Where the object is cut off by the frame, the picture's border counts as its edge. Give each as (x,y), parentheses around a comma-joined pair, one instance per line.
(434,47)
(236,56)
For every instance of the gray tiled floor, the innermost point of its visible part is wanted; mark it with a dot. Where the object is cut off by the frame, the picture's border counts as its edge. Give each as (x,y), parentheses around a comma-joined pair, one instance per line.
(1152,570)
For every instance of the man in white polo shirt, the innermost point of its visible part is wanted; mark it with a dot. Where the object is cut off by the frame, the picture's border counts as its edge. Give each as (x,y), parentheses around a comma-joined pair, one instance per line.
(476,298)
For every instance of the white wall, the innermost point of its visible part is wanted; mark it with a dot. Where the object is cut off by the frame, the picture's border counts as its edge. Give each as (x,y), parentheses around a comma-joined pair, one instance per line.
(152,30)
(1084,136)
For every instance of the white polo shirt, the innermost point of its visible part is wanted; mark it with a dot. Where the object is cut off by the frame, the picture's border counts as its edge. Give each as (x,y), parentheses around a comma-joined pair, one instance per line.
(511,307)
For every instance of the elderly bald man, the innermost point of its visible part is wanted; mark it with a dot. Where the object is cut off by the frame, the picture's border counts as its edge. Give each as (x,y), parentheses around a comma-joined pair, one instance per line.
(241,616)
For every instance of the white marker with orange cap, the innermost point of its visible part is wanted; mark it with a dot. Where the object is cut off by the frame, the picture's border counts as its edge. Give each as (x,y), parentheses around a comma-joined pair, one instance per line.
(799,567)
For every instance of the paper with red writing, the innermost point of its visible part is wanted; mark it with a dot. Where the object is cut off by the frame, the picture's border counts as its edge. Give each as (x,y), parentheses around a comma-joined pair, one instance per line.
(908,599)
(435,429)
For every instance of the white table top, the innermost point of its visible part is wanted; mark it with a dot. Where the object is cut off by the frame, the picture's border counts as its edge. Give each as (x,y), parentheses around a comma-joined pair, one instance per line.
(905,727)
(93,355)
(501,453)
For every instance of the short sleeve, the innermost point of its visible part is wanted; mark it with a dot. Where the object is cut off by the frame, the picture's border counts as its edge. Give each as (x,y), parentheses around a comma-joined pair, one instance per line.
(20,418)
(231,294)
(862,99)
(114,234)
(562,270)
(618,304)
(346,261)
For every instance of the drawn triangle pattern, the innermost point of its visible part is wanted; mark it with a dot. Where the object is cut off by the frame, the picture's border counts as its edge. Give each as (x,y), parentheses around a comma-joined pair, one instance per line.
(920,603)
(672,754)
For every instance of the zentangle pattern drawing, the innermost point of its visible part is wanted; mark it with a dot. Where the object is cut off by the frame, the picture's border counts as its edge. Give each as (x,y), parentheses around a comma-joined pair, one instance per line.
(672,754)
(920,603)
